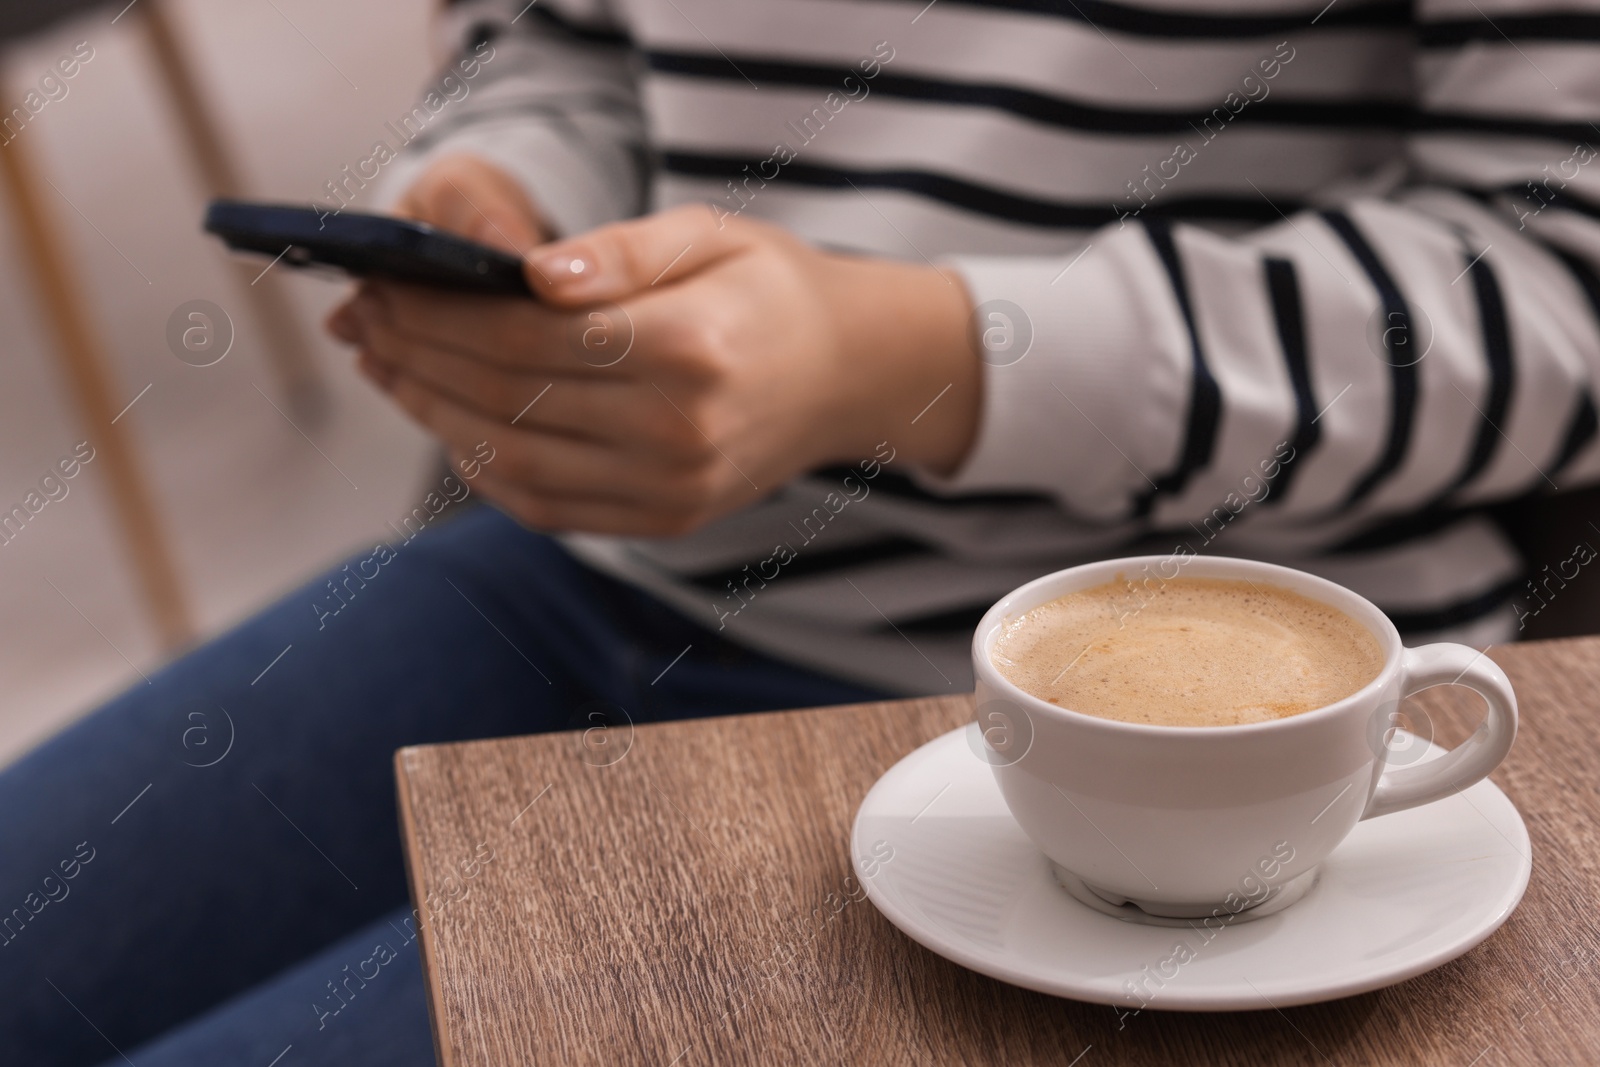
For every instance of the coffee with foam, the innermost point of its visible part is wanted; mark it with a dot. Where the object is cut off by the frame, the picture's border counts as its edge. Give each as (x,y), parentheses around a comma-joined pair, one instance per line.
(1187,652)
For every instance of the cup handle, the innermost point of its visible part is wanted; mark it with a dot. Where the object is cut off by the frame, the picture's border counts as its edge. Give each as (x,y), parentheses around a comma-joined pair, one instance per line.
(1447,664)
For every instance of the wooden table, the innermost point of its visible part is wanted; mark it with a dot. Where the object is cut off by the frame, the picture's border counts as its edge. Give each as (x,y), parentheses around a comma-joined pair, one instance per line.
(660,896)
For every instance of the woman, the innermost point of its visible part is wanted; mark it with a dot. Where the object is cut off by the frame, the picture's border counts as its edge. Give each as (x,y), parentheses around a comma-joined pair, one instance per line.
(851,317)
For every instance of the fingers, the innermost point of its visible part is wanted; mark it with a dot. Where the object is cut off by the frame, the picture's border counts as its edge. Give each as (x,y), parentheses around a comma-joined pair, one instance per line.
(582,408)
(476,199)
(543,463)
(505,397)
(626,413)
(517,335)
(568,333)
(622,259)
(493,390)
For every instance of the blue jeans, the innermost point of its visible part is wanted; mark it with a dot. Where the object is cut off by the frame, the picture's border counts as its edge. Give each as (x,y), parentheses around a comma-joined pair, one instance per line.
(207,870)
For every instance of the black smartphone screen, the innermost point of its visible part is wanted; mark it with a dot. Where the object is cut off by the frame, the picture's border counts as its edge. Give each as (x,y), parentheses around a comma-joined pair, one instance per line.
(366,246)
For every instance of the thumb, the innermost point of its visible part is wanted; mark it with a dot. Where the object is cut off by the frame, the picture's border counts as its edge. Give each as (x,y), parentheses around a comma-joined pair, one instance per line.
(624,258)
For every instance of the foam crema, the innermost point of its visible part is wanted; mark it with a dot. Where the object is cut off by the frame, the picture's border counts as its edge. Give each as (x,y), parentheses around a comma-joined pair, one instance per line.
(1187,652)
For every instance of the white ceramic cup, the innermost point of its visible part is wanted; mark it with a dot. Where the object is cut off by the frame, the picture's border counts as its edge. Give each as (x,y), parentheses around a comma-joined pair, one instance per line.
(1206,820)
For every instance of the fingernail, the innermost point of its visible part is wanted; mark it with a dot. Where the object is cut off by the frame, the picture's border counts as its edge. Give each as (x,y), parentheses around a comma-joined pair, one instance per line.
(562,268)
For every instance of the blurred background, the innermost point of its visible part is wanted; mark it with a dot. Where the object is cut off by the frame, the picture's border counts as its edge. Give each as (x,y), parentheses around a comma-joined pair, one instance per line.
(248,505)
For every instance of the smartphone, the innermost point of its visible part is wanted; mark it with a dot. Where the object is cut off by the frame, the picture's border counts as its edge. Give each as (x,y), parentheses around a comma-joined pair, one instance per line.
(366,246)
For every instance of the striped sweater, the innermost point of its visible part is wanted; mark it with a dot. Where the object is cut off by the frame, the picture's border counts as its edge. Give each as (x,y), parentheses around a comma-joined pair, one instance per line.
(1299,280)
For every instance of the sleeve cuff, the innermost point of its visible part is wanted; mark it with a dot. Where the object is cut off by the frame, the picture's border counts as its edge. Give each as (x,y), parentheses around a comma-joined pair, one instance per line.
(1085,377)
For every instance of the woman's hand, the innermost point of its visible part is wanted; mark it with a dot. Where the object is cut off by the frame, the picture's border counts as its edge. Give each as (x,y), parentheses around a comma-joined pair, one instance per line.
(676,368)
(476,199)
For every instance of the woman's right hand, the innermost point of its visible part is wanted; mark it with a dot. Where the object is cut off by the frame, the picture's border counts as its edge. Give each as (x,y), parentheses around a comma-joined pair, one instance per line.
(476,199)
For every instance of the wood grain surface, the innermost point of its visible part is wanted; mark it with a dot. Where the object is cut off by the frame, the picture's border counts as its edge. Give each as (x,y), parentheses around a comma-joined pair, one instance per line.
(666,895)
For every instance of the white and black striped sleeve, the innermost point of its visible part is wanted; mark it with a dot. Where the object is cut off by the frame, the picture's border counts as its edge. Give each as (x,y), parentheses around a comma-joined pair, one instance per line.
(1427,345)
(556,106)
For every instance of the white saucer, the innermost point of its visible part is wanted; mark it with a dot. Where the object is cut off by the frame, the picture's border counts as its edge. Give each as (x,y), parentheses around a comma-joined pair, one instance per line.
(1401,895)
